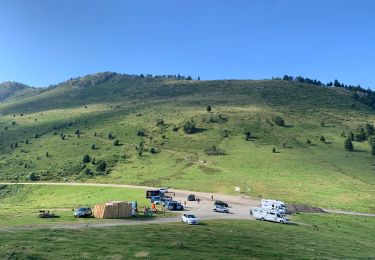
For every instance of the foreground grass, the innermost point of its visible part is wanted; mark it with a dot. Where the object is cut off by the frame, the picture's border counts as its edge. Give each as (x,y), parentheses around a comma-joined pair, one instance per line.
(21,205)
(343,237)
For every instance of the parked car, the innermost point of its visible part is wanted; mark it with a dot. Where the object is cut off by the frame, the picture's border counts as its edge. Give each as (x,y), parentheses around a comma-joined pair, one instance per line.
(163,190)
(155,199)
(174,205)
(269,215)
(190,219)
(191,197)
(83,212)
(221,203)
(219,208)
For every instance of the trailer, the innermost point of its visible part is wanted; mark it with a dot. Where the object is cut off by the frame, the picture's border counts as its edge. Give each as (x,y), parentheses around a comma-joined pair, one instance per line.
(268,215)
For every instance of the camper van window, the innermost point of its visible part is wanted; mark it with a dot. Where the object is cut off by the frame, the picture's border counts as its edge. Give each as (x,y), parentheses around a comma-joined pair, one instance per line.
(272,213)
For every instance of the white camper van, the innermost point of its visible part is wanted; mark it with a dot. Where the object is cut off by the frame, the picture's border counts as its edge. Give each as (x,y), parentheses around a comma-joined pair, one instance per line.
(273,205)
(269,215)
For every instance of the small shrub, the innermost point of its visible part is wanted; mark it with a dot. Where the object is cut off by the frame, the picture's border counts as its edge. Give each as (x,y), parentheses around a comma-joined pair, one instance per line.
(93,147)
(213,150)
(77,132)
(279,121)
(110,136)
(154,150)
(116,142)
(208,108)
(26,141)
(47,154)
(348,145)
(88,172)
(189,126)
(175,128)
(225,133)
(101,166)
(274,150)
(33,177)
(160,122)
(35,136)
(248,135)
(322,138)
(308,142)
(86,158)
(142,133)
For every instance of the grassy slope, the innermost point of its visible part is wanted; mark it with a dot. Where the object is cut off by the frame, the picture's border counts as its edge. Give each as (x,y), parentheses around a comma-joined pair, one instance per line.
(322,174)
(338,237)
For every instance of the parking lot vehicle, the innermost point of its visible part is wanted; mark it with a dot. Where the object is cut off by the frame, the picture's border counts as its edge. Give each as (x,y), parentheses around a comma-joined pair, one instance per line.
(174,205)
(219,208)
(190,219)
(191,197)
(156,199)
(152,193)
(163,190)
(83,212)
(221,203)
(273,205)
(269,215)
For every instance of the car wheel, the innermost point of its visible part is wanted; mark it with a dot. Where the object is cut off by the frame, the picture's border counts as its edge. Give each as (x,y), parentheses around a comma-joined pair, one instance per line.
(262,219)
(282,222)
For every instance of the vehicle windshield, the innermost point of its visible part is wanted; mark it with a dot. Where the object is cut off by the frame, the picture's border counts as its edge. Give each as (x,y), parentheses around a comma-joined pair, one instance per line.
(191,216)
(81,209)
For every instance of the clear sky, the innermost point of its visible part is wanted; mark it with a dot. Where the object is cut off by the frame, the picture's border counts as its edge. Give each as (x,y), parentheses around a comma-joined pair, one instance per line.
(44,42)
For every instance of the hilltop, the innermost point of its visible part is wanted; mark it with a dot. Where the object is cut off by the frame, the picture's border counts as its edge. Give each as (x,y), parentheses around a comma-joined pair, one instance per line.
(14,90)
(195,134)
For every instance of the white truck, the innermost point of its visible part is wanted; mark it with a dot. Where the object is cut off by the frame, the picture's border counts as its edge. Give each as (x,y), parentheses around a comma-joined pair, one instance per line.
(269,215)
(277,205)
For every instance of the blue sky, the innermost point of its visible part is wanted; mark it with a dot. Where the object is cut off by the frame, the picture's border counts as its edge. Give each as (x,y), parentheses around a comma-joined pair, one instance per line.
(44,41)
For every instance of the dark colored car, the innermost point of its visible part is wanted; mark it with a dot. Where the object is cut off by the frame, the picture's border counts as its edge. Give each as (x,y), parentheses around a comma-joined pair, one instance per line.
(83,212)
(191,197)
(221,203)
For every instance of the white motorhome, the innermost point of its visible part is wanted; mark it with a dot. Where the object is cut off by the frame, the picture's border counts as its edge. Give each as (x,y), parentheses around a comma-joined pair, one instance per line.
(273,205)
(269,215)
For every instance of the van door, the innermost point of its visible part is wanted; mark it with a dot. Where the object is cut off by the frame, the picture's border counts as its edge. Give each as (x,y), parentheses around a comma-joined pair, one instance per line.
(271,216)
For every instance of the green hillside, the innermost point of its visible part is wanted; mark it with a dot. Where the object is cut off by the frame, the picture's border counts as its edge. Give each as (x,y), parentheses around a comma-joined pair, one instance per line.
(13,90)
(45,136)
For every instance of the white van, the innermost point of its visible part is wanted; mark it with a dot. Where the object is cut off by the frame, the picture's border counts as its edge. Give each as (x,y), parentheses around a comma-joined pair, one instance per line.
(269,215)
(273,205)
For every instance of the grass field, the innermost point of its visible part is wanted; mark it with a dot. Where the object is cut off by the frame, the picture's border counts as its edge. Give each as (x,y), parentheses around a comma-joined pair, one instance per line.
(337,237)
(20,205)
(321,174)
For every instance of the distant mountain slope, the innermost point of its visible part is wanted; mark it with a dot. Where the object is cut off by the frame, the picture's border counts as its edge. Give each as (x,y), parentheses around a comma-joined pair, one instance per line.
(15,90)
(157,131)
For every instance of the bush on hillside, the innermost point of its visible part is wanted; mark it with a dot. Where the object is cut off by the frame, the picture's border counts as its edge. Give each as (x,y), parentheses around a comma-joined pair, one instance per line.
(274,150)
(348,145)
(110,136)
(322,138)
(279,121)
(33,177)
(142,133)
(248,135)
(101,166)
(189,126)
(208,108)
(213,150)
(308,141)
(86,158)
(154,150)
(116,142)
(160,122)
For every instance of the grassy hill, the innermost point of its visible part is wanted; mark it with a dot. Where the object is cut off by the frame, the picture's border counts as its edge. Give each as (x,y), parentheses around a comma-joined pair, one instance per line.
(14,90)
(45,136)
